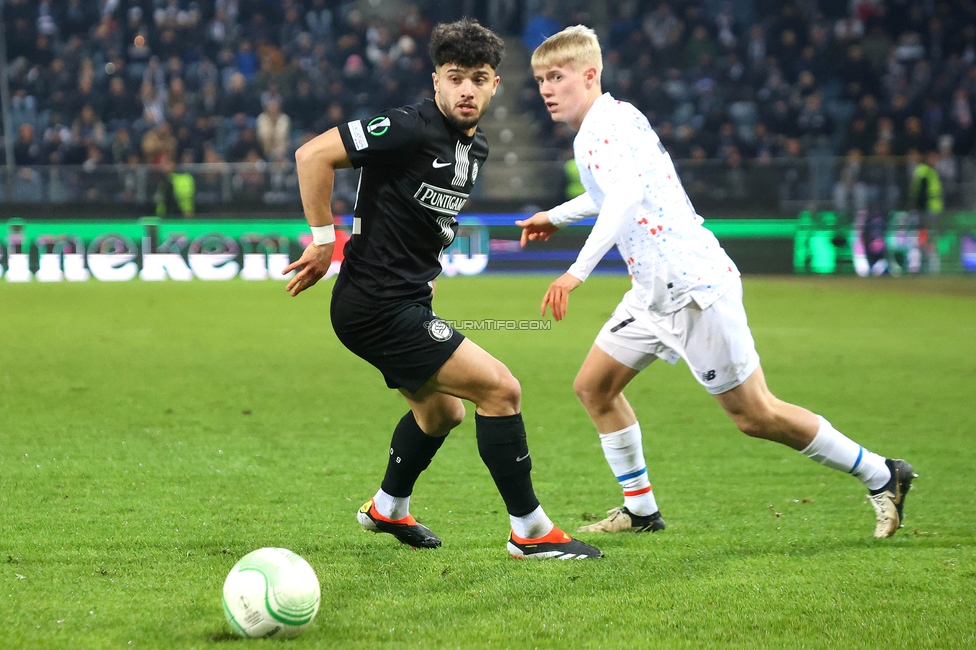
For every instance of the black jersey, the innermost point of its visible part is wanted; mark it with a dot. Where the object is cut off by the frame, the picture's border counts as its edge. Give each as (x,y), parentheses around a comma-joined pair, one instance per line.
(418,171)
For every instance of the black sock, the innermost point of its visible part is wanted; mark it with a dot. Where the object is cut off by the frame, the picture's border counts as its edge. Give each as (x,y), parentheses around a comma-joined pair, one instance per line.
(411,451)
(502,445)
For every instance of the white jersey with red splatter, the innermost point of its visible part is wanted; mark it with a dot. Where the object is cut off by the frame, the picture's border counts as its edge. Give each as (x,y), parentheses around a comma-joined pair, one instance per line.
(632,186)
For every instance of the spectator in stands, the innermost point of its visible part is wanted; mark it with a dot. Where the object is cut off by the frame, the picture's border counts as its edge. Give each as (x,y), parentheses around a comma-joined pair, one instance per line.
(881,178)
(780,119)
(859,136)
(736,182)
(913,138)
(179,117)
(795,185)
(54,147)
(691,64)
(664,31)
(699,44)
(208,101)
(176,94)
(152,103)
(246,60)
(246,143)
(88,129)
(84,95)
(250,182)
(120,106)
(885,132)
(540,26)
(334,116)
(27,151)
(850,192)
(303,107)
(159,143)
(155,75)
(238,100)
(28,186)
(273,131)
(764,143)
(271,94)
(121,146)
(961,124)
(814,124)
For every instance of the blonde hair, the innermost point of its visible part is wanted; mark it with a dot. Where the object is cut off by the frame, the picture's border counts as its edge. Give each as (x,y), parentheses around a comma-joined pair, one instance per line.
(576,46)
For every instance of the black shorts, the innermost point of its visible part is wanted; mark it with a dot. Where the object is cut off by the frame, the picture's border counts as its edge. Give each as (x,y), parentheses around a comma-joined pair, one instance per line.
(404,340)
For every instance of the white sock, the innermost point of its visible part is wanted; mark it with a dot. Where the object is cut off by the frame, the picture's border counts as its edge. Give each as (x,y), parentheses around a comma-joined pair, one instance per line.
(832,448)
(390,506)
(533,525)
(625,454)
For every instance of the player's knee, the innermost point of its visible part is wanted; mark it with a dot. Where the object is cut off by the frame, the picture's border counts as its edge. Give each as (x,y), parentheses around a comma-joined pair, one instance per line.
(509,390)
(453,415)
(757,423)
(592,395)
(585,392)
(441,420)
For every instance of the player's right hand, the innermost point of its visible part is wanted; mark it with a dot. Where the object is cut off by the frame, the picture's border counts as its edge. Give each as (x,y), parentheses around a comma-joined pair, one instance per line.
(536,228)
(311,266)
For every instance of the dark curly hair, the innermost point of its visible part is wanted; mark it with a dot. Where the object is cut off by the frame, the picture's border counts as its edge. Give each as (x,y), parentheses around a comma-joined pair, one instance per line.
(465,43)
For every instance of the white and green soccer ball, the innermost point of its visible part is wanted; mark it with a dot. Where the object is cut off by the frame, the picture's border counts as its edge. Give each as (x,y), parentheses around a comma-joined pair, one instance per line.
(271,592)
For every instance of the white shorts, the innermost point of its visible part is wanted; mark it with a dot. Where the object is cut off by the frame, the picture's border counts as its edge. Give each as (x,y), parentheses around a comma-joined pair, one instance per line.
(715,342)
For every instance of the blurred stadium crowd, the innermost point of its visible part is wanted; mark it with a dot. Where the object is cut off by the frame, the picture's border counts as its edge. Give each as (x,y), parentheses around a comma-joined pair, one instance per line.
(230,80)
(739,83)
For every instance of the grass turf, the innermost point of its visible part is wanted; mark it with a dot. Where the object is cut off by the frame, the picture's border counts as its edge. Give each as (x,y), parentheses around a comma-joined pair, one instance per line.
(152,434)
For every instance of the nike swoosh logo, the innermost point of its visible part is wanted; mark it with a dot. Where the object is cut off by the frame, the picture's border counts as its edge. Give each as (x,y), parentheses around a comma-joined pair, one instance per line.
(519,459)
(437,164)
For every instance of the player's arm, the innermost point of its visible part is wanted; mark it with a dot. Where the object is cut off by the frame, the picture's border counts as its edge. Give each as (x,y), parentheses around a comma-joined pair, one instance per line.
(619,207)
(316,161)
(624,192)
(541,225)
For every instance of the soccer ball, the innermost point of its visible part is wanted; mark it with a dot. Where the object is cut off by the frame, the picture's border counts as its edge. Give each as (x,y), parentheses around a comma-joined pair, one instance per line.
(271,592)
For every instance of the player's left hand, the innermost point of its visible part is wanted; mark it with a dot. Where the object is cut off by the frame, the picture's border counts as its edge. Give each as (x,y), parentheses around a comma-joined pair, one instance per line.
(558,295)
(311,266)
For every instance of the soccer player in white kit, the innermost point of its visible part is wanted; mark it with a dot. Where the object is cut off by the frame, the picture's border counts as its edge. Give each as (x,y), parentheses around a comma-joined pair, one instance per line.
(685,301)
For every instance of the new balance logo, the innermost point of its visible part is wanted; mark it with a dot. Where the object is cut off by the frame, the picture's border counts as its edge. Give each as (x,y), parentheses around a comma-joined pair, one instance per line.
(708,376)
(437,164)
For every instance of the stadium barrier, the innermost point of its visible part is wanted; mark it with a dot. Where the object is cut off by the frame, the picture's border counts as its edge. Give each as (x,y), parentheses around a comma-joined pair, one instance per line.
(779,187)
(154,249)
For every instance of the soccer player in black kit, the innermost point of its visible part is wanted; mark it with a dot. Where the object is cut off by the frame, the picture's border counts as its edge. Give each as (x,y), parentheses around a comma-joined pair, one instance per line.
(419,164)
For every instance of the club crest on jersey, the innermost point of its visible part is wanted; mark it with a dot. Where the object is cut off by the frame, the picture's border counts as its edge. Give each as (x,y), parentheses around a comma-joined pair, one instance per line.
(447,202)
(378,126)
(438,329)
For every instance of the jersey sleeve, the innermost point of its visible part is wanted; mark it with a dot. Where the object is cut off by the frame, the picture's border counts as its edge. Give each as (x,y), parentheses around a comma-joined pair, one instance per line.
(614,171)
(383,138)
(621,204)
(573,210)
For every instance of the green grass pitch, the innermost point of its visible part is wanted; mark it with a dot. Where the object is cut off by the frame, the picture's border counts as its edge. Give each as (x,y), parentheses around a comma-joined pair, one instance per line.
(152,434)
